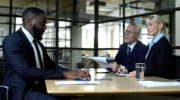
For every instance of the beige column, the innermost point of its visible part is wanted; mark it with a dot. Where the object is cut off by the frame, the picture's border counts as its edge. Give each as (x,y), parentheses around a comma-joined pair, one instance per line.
(177,24)
(76,36)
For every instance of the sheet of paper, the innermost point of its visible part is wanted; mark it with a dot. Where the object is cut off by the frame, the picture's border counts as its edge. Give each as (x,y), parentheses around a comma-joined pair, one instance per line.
(103,79)
(158,83)
(101,61)
(72,82)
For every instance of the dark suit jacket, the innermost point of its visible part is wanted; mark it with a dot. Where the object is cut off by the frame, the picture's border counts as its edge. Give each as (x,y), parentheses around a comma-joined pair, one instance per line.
(21,71)
(135,56)
(159,58)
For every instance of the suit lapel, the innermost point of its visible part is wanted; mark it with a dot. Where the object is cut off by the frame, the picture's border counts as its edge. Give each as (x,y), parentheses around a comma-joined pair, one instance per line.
(130,56)
(124,53)
(25,41)
(152,48)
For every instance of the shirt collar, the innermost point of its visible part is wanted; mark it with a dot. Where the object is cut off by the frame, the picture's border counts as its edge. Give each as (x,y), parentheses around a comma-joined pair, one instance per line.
(28,35)
(159,36)
(132,46)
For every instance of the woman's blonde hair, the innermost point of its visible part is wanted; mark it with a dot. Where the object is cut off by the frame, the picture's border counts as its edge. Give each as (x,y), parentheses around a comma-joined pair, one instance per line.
(157,19)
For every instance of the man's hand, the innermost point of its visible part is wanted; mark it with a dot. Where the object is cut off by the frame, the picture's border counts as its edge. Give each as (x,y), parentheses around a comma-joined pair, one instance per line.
(77,74)
(122,71)
(114,66)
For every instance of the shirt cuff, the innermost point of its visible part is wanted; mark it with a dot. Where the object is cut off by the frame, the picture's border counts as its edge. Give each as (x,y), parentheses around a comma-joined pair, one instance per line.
(123,66)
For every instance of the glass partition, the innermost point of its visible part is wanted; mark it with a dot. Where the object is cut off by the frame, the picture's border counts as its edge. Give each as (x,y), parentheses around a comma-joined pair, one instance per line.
(4,6)
(78,10)
(110,9)
(4,30)
(108,53)
(87,39)
(49,35)
(134,7)
(49,6)
(110,35)
(168,4)
(65,58)
(78,57)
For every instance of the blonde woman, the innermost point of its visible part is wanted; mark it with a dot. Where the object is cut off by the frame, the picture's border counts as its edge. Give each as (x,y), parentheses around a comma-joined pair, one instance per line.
(159,51)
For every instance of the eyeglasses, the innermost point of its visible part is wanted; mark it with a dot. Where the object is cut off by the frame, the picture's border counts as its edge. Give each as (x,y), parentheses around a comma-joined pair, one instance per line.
(126,31)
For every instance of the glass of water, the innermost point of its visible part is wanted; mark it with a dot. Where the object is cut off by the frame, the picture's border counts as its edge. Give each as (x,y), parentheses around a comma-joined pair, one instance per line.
(140,68)
(87,64)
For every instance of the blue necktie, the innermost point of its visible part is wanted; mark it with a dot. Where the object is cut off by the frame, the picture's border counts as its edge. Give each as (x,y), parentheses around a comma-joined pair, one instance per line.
(129,50)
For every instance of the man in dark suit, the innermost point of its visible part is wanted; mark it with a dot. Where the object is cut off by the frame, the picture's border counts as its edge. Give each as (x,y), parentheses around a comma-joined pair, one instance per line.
(130,52)
(25,73)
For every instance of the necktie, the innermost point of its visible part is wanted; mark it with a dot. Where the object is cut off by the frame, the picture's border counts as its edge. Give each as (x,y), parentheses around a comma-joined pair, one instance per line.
(129,50)
(38,54)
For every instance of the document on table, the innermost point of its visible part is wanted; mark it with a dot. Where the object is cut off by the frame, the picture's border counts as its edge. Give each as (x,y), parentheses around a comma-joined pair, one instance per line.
(102,61)
(158,83)
(72,82)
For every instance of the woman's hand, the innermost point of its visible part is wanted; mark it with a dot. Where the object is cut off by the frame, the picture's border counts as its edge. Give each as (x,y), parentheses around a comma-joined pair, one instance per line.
(132,74)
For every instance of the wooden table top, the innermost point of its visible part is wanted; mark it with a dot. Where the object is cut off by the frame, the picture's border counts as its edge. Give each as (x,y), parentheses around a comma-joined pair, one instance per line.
(116,86)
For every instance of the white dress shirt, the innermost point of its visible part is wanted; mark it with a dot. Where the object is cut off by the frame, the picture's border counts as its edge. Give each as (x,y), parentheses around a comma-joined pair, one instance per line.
(30,38)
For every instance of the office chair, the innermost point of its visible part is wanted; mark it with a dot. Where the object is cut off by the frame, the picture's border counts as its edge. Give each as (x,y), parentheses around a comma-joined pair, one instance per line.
(177,67)
(2,70)
(7,91)
(174,68)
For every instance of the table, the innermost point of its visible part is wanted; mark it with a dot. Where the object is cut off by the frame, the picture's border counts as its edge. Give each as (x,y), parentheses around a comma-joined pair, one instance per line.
(116,86)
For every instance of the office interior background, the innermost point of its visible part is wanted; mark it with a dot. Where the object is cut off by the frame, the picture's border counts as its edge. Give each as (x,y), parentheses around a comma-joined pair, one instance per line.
(80,28)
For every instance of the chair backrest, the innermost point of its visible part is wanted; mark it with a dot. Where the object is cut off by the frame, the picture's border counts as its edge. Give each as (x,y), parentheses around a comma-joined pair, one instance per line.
(6,88)
(174,69)
(177,67)
(3,87)
(2,70)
